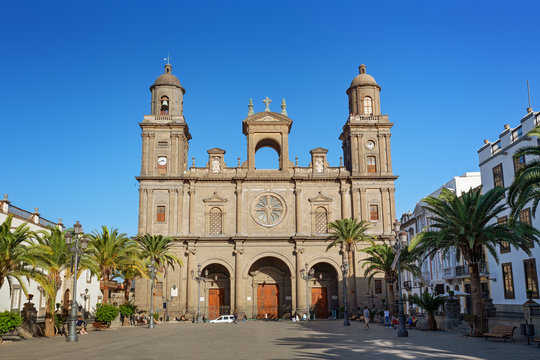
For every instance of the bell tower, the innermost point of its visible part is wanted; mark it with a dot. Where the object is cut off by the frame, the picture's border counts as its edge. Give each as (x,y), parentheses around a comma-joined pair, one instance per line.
(366,134)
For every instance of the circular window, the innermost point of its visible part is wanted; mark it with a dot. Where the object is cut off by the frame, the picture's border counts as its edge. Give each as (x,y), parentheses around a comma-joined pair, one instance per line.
(268,210)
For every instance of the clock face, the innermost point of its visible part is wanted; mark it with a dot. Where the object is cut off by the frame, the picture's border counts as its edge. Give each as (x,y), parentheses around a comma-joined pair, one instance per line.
(370,145)
(162,160)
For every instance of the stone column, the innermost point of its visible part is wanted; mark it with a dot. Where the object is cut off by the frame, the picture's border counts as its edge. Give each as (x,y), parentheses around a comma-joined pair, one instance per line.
(240,298)
(151,159)
(141,211)
(238,194)
(384,157)
(180,211)
(363,204)
(388,153)
(342,192)
(300,284)
(149,210)
(355,204)
(392,203)
(297,201)
(361,168)
(171,218)
(144,167)
(191,208)
(191,290)
(385,211)
(354,153)
(381,167)
(183,281)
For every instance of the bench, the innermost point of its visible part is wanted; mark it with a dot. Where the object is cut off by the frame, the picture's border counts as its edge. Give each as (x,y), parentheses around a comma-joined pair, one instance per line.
(538,341)
(97,326)
(502,332)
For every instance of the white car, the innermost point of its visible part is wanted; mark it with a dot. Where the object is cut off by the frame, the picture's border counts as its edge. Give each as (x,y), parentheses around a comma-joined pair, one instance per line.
(223,319)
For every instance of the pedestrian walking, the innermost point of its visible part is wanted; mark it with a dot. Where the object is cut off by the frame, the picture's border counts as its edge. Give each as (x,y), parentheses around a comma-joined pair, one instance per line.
(386,318)
(266,317)
(366,318)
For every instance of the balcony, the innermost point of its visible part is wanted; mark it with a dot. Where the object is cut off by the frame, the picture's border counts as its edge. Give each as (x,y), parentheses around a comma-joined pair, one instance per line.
(407,285)
(462,271)
(449,273)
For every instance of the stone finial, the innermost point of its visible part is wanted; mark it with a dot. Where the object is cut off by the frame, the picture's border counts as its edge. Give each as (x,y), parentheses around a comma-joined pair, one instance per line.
(239,162)
(341,161)
(362,69)
(267,102)
(529,110)
(5,197)
(283,108)
(506,127)
(36,210)
(193,161)
(296,161)
(486,141)
(250,107)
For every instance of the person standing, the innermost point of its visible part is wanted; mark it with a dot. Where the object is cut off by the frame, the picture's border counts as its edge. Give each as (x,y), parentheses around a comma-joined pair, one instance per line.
(366,318)
(386,318)
(266,317)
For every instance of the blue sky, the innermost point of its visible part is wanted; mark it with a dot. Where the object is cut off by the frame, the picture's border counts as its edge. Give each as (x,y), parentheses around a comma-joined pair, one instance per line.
(75,78)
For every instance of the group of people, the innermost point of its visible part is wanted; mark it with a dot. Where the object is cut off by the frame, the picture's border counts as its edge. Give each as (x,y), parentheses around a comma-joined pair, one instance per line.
(389,320)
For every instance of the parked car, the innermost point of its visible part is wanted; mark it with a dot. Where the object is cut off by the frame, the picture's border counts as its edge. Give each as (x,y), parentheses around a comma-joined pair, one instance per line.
(224,319)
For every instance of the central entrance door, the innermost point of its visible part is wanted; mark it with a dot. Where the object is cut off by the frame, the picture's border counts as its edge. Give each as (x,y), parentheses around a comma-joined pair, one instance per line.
(267,301)
(319,301)
(216,301)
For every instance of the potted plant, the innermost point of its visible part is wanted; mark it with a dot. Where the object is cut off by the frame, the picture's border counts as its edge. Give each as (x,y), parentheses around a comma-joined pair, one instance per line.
(106,313)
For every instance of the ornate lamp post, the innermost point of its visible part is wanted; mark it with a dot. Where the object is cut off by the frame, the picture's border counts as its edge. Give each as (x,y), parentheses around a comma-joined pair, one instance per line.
(77,243)
(402,332)
(307,275)
(345,271)
(199,278)
(152,269)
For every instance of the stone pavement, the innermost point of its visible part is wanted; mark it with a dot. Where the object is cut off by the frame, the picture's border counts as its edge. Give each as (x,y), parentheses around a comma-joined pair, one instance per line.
(260,340)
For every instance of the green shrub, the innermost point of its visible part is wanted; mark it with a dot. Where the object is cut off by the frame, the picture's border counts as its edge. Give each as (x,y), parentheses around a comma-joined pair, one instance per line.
(127,309)
(156,316)
(8,321)
(106,313)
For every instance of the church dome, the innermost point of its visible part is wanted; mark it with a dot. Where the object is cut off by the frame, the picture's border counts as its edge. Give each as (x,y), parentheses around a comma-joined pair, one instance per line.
(363,78)
(167,78)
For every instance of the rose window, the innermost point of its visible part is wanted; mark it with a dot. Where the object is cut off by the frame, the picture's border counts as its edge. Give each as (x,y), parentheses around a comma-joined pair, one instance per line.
(268,210)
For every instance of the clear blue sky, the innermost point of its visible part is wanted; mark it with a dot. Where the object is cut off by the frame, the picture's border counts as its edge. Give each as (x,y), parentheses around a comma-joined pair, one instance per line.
(75,78)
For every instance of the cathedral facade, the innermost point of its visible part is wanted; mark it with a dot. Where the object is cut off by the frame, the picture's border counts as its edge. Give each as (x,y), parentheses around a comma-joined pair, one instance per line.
(255,234)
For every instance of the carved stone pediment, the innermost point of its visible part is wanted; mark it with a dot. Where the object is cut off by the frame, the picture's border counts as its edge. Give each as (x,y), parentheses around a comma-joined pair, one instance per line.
(320,198)
(215,199)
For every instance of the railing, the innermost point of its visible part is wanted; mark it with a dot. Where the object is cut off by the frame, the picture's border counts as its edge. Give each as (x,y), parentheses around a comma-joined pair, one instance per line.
(407,284)
(449,273)
(20,212)
(46,222)
(164,117)
(463,270)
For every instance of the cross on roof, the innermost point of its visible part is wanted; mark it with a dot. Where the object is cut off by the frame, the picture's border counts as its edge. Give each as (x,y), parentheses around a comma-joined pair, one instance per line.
(267,102)
(168,58)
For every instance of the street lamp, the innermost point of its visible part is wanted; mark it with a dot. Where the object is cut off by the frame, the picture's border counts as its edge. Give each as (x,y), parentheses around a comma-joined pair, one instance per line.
(199,278)
(77,244)
(152,269)
(307,275)
(345,270)
(400,236)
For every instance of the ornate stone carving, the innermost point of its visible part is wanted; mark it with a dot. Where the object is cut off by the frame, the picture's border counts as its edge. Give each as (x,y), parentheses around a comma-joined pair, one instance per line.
(268,209)
(319,164)
(216,164)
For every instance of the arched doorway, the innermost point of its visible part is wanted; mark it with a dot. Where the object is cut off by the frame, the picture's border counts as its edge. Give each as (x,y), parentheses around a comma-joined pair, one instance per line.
(218,291)
(324,291)
(271,289)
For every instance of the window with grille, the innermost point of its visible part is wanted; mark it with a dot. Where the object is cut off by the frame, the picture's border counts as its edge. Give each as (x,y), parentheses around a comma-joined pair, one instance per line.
(215,221)
(531,277)
(321,221)
(498,180)
(525,217)
(378,286)
(519,162)
(371,164)
(368,106)
(160,214)
(508,281)
(15,298)
(374,212)
(504,245)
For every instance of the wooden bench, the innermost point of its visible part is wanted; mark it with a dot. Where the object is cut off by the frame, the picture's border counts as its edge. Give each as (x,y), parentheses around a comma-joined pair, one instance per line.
(97,325)
(538,341)
(502,332)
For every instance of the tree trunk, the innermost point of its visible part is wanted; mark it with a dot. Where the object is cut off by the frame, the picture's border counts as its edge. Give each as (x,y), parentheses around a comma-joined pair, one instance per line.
(476,299)
(431,322)
(49,318)
(1,281)
(105,291)
(350,282)
(127,287)
(391,303)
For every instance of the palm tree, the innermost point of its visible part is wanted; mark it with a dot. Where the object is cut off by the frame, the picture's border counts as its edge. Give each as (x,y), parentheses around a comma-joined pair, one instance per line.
(347,233)
(430,304)
(110,250)
(129,272)
(379,261)
(467,223)
(15,262)
(158,248)
(51,253)
(526,185)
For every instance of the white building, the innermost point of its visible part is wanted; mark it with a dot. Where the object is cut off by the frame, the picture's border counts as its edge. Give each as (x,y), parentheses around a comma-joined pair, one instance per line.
(516,271)
(88,287)
(440,274)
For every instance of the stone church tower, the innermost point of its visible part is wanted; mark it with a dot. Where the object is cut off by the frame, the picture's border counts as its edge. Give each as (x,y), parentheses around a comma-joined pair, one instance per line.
(257,232)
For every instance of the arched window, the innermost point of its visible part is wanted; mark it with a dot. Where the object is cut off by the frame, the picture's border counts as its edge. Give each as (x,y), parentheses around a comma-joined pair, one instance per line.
(321,220)
(371,164)
(368,107)
(164,103)
(216,227)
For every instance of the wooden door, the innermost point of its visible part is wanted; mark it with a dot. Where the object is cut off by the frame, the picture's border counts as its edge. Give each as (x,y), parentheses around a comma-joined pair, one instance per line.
(267,301)
(216,299)
(319,302)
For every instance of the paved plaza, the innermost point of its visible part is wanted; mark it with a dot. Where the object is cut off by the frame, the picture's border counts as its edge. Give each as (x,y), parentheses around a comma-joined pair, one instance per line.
(260,340)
